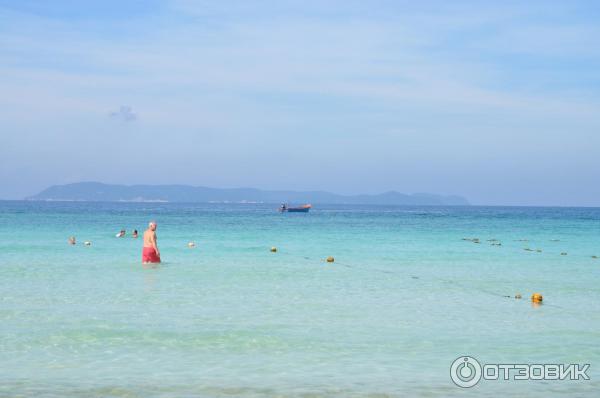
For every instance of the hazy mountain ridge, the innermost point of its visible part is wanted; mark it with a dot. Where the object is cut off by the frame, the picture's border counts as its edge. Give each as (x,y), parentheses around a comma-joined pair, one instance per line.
(95,191)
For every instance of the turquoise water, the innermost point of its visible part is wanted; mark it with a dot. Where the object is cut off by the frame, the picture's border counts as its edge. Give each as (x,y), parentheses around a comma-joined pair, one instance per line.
(228,318)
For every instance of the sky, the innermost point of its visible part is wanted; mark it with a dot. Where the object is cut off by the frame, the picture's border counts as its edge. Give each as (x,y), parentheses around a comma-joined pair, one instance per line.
(496,101)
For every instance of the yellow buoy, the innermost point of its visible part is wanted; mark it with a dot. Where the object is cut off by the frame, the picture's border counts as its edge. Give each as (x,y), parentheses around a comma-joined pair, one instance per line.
(273,249)
(330,259)
(537,298)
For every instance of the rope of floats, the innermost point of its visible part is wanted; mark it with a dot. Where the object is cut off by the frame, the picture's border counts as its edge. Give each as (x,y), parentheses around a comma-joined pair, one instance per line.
(536,298)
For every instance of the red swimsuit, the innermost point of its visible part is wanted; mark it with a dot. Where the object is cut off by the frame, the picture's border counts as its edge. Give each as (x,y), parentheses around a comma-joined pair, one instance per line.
(149,255)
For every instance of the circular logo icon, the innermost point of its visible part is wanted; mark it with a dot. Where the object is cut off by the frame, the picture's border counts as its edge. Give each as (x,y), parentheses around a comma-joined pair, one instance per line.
(465,371)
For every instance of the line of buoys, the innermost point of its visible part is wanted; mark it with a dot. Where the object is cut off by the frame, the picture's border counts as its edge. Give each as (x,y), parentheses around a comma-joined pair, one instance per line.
(474,240)
(496,242)
(536,298)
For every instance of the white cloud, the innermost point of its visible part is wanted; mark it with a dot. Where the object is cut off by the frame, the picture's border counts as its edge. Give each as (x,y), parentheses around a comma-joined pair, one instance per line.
(124,114)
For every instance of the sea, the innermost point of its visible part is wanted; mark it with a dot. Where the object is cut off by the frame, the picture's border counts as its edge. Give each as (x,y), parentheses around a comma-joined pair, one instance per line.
(410,290)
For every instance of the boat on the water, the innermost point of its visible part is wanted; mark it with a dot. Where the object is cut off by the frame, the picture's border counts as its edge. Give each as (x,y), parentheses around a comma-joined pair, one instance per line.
(300,209)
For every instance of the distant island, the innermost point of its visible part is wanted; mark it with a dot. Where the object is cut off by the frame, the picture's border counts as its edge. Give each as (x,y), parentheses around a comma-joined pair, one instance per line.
(95,191)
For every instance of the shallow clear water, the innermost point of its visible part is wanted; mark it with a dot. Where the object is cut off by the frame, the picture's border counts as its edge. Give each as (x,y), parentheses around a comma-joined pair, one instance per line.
(404,298)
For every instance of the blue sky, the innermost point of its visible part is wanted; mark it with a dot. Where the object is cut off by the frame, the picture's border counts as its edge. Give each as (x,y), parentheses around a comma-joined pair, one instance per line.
(496,101)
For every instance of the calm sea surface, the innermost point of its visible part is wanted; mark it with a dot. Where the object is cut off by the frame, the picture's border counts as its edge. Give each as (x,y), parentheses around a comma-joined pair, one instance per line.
(228,318)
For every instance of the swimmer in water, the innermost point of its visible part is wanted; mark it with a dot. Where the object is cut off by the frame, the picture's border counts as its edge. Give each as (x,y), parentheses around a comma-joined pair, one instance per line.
(121,234)
(150,253)
(135,233)
(72,240)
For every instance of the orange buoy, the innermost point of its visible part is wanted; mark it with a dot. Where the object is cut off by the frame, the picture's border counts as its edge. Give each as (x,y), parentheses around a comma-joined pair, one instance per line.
(537,298)
(330,259)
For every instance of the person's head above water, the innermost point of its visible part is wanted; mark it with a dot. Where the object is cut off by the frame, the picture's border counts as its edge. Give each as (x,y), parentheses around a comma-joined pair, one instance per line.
(152,225)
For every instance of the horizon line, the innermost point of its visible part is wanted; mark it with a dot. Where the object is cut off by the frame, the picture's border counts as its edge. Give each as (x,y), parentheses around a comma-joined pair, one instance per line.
(322,203)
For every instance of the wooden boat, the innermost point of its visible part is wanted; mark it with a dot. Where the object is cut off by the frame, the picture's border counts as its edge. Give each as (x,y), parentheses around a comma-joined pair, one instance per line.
(299,209)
